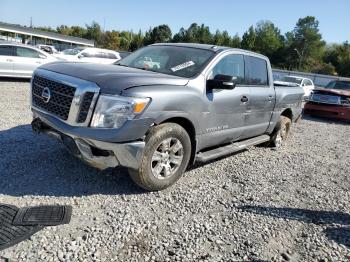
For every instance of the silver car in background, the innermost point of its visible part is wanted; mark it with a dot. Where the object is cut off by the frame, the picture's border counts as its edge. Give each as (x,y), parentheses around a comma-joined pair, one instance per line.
(19,60)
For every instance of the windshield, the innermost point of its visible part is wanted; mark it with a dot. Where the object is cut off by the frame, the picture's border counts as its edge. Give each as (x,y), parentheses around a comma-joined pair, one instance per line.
(171,60)
(339,85)
(291,80)
(71,51)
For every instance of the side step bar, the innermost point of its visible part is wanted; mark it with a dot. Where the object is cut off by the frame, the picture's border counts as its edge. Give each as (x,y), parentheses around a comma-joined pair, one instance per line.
(231,148)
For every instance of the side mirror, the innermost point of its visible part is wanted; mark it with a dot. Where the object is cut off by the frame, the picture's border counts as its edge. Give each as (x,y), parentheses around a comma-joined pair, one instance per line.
(42,56)
(222,82)
(80,56)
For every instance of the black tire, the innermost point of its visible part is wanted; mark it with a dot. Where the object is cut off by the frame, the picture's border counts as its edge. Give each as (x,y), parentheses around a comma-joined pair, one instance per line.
(145,177)
(281,132)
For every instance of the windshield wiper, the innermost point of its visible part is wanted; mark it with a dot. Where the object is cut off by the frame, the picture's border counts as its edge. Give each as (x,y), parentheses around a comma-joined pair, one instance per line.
(118,64)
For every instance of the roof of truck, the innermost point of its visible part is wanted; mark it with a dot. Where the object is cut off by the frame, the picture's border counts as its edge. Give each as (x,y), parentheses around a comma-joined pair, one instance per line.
(214,48)
(195,45)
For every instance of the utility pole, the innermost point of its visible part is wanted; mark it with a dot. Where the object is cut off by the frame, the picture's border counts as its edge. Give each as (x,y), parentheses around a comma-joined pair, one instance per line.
(31,22)
(300,57)
(301,53)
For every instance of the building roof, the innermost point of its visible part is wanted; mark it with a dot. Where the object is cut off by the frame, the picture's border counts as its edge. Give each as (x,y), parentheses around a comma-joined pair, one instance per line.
(43,34)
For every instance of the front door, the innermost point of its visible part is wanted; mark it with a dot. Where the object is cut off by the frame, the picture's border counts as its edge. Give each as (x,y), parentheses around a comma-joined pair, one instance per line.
(26,60)
(224,119)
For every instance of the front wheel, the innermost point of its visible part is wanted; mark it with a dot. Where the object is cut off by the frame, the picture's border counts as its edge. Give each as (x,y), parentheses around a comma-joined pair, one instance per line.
(166,156)
(281,133)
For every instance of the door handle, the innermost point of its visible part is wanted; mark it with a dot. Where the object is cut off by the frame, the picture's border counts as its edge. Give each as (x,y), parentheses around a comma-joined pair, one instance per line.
(38,62)
(9,60)
(244,99)
(270,98)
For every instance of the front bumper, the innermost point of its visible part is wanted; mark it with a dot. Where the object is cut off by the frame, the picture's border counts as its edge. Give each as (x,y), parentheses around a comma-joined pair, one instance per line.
(96,153)
(325,110)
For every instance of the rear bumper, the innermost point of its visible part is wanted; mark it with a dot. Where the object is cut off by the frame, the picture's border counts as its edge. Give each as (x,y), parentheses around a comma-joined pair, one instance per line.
(98,154)
(325,110)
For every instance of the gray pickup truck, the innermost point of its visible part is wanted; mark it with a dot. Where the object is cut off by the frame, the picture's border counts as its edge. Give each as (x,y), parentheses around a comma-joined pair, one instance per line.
(202,102)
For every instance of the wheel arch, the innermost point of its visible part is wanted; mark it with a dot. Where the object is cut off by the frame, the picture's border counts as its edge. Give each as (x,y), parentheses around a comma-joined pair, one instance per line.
(188,125)
(288,112)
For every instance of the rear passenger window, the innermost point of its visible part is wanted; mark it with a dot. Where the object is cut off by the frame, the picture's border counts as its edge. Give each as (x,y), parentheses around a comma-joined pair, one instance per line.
(232,65)
(101,55)
(90,54)
(111,56)
(6,50)
(256,71)
(27,52)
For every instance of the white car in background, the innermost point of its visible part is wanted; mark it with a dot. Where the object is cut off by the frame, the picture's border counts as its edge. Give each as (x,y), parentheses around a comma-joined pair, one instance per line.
(303,82)
(19,60)
(148,62)
(48,49)
(90,55)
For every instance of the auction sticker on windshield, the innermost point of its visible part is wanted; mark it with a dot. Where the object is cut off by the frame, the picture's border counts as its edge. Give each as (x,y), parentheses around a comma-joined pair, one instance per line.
(182,66)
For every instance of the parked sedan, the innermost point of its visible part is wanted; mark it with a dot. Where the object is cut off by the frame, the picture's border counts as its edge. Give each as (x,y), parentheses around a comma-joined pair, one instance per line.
(48,49)
(17,60)
(331,101)
(90,55)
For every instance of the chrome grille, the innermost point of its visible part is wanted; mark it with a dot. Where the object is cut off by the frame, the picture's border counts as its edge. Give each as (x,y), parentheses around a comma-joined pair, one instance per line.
(61,96)
(68,98)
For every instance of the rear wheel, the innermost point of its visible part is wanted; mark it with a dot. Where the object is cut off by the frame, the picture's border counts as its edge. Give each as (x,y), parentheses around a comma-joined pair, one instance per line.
(282,132)
(166,156)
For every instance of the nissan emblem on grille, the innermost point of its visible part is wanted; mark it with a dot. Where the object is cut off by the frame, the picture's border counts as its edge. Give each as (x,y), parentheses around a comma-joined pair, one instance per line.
(63,99)
(46,94)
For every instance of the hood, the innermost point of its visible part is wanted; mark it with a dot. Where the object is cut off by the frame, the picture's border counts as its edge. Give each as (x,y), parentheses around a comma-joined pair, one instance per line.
(340,92)
(113,79)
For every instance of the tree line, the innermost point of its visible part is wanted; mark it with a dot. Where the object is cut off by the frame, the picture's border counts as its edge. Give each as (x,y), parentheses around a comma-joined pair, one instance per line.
(301,49)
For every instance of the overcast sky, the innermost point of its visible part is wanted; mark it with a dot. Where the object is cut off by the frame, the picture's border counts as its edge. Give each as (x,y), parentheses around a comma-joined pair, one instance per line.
(233,16)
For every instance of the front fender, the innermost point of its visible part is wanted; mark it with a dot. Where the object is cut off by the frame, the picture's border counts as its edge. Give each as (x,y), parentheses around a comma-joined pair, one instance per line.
(170,102)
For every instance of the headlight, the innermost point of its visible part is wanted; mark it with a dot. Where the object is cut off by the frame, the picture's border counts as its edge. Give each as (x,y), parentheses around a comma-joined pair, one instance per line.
(345,101)
(114,111)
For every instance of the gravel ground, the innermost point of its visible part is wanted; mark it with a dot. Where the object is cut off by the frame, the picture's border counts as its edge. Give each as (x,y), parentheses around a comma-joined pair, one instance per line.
(257,205)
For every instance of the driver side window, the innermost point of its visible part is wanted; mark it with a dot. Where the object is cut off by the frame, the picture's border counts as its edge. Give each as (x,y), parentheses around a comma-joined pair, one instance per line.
(232,65)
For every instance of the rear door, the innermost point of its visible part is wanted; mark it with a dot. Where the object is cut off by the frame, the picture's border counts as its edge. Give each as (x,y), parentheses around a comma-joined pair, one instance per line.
(26,60)
(6,60)
(262,96)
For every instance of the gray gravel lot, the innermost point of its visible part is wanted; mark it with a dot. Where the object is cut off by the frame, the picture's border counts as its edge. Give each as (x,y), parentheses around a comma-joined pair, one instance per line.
(257,205)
